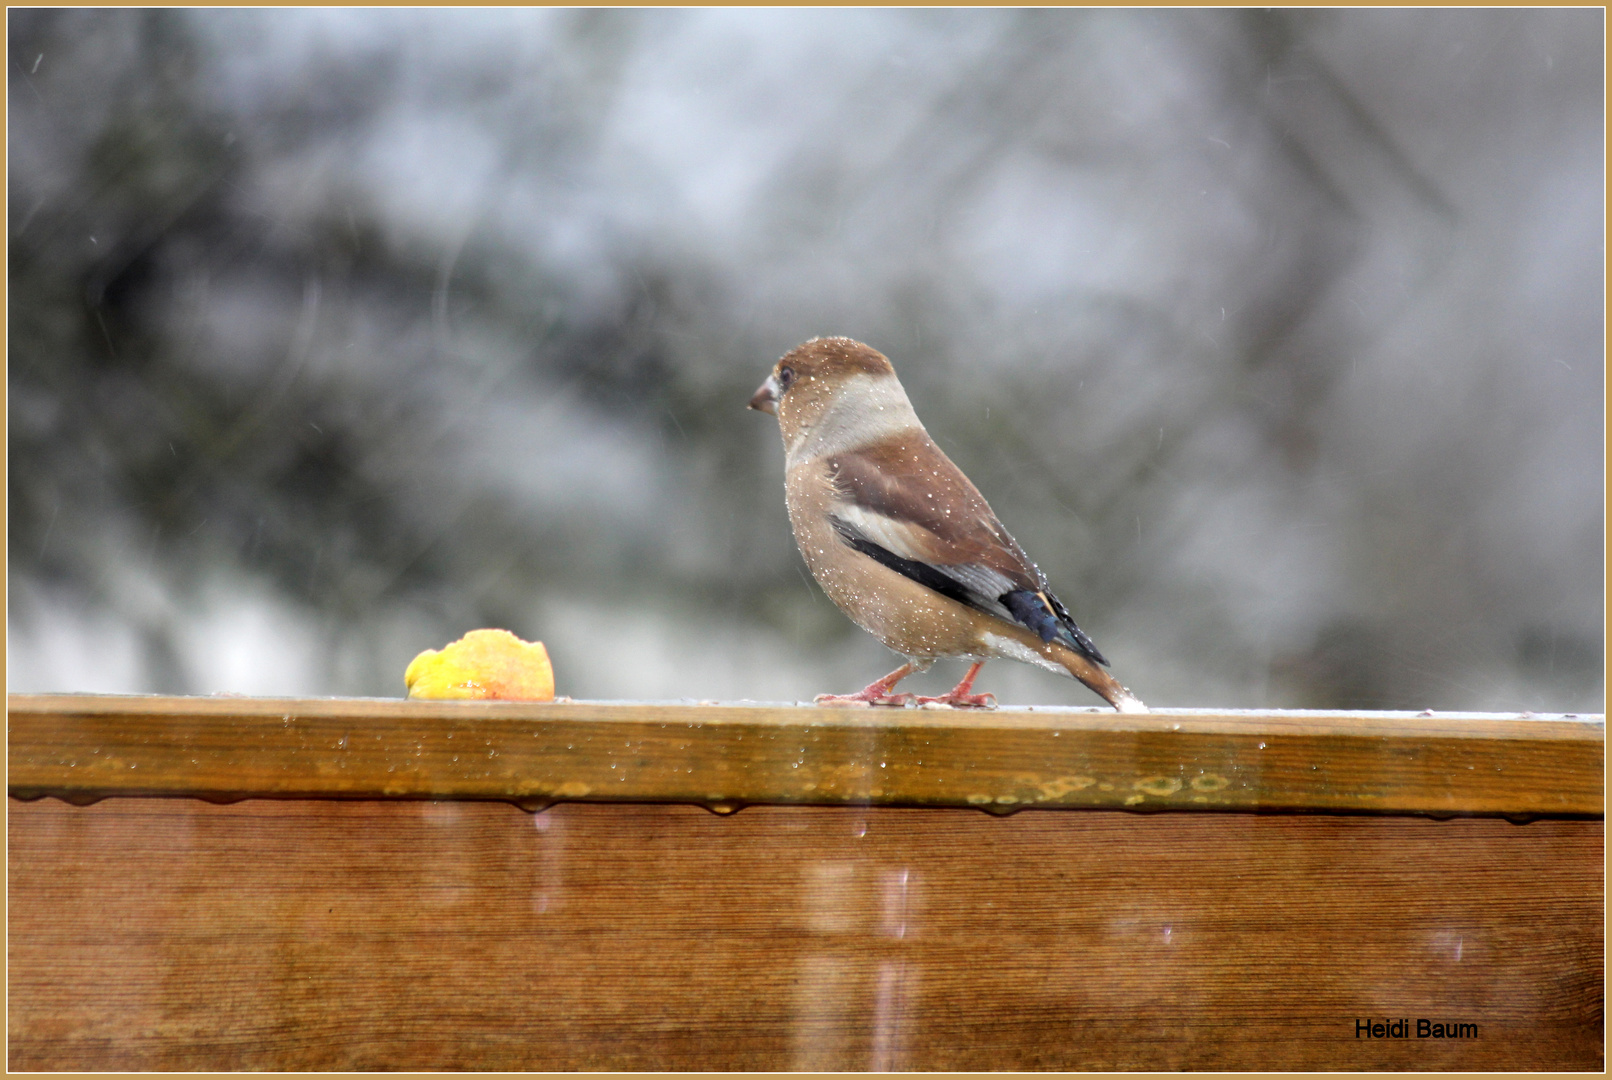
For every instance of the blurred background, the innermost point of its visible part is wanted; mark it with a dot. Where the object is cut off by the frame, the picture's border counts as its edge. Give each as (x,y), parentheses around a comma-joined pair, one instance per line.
(1275,337)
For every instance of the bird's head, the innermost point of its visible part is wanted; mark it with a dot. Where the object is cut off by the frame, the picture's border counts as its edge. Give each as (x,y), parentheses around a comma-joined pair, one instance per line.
(823,375)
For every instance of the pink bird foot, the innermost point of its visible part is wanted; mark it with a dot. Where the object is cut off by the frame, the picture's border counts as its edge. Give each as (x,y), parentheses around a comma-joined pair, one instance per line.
(960,701)
(958,697)
(864,698)
(877,693)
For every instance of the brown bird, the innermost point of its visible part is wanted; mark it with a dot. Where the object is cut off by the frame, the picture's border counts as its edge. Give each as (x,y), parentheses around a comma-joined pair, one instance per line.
(900,539)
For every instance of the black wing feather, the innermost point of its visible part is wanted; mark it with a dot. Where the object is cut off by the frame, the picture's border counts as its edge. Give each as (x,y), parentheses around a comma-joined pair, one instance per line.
(1028,609)
(921,572)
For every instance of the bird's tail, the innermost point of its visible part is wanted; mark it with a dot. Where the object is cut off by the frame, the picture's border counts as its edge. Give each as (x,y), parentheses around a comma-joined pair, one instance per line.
(1093,676)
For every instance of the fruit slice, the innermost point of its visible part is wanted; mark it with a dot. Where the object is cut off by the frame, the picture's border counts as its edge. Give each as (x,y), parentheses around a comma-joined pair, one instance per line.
(491,665)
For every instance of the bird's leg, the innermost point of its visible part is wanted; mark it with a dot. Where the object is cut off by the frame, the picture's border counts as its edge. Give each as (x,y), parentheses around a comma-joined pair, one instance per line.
(877,693)
(959,697)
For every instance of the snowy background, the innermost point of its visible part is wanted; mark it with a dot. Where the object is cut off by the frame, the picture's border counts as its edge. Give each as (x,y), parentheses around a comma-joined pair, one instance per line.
(1276,338)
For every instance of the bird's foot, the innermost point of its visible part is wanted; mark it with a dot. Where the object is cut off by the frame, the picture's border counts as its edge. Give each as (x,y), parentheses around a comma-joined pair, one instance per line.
(875,693)
(864,698)
(954,700)
(958,697)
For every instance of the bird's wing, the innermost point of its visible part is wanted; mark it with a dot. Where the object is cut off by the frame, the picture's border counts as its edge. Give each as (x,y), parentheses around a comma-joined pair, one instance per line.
(903,503)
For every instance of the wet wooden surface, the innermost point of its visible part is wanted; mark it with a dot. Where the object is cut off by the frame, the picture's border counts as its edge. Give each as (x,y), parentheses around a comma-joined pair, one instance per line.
(82,747)
(150,933)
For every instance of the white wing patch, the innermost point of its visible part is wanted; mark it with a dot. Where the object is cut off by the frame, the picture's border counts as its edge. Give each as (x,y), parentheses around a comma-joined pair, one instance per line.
(897,537)
(912,542)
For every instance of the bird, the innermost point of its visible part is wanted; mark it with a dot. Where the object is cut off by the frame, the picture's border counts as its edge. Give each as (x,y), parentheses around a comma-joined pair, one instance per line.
(902,541)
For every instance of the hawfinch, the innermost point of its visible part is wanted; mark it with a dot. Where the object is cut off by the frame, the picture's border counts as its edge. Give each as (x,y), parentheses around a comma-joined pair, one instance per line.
(900,539)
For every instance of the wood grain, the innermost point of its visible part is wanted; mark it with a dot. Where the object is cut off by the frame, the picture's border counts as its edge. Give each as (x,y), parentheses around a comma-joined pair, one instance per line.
(336,934)
(83,747)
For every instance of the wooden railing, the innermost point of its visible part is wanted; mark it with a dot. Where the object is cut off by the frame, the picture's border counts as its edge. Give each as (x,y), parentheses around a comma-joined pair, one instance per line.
(1216,889)
(83,747)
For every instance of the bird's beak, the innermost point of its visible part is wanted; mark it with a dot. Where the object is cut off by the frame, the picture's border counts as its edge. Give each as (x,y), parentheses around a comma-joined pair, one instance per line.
(766,399)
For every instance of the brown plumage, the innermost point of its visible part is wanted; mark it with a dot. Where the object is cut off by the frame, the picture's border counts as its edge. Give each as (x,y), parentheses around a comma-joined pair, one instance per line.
(901,540)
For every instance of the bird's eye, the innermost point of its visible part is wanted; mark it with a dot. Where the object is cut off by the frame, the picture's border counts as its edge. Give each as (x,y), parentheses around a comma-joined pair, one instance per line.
(786,375)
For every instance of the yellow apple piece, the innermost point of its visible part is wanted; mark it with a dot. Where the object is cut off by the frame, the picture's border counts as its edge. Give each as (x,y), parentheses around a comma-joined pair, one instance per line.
(489,665)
